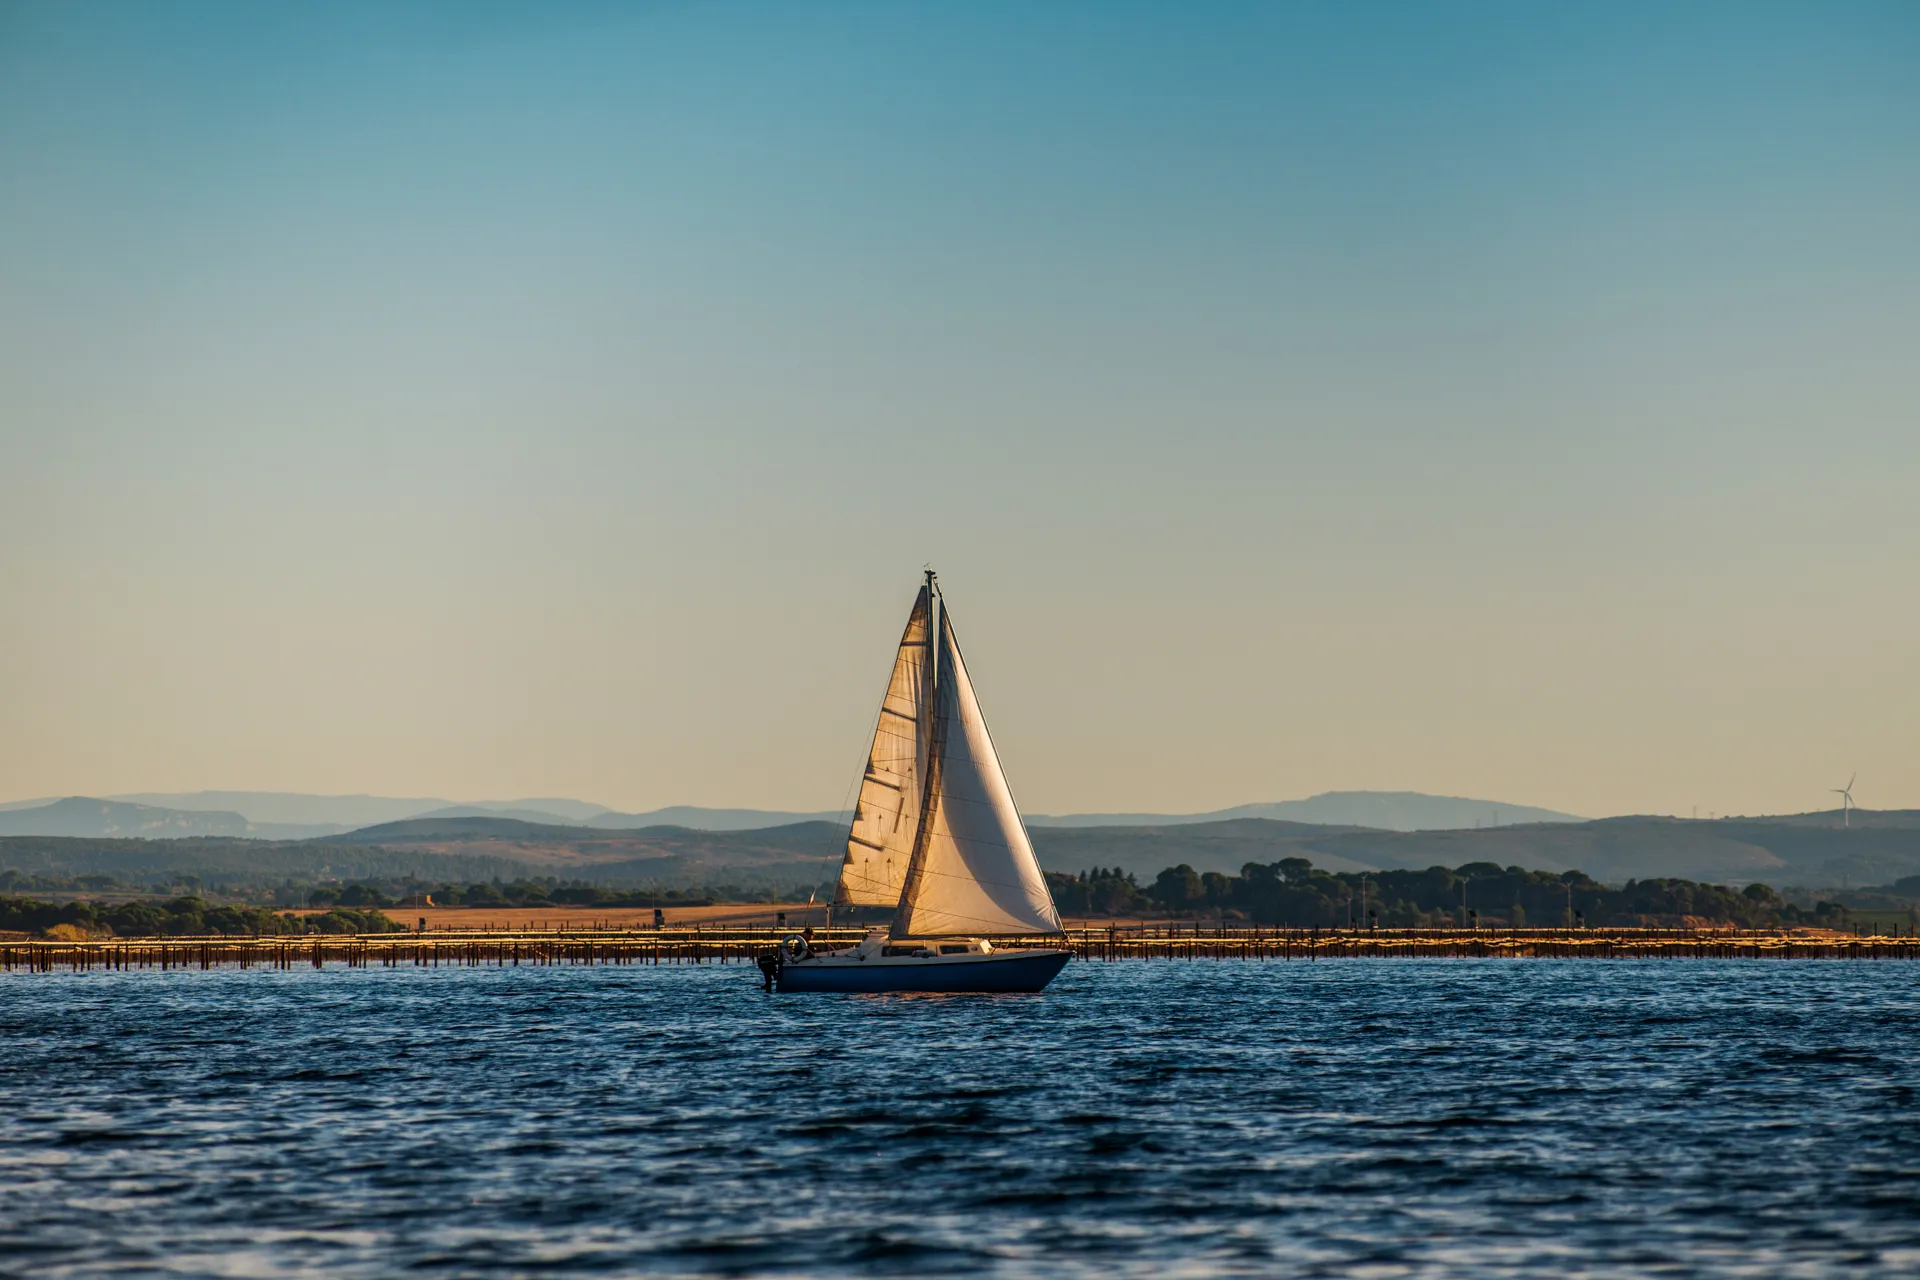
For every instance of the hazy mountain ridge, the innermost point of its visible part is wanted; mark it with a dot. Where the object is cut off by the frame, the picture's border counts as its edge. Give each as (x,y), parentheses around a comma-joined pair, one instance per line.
(1878,848)
(85,816)
(1782,851)
(699,819)
(1380,810)
(293,808)
(538,817)
(240,861)
(296,815)
(796,853)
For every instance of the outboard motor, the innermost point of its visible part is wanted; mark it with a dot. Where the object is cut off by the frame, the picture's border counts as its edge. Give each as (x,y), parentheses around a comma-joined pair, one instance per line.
(792,950)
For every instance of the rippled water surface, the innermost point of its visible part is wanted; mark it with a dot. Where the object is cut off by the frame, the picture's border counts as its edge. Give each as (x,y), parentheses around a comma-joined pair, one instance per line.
(1350,1117)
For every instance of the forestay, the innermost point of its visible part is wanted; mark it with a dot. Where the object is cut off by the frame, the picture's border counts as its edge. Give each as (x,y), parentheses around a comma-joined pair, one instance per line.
(973,870)
(880,845)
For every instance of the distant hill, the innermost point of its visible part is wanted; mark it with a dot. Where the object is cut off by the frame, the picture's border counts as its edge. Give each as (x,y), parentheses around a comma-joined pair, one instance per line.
(248,862)
(293,815)
(1382,810)
(1205,846)
(452,825)
(92,817)
(1877,848)
(84,816)
(457,848)
(344,813)
(1780,851)
(289,816)
(290,808)
(1902,819)
(796,853)
(537,816)
(684,815)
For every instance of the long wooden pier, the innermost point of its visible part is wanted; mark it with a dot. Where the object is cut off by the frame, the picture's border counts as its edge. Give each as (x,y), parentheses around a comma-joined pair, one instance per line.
(1178,942)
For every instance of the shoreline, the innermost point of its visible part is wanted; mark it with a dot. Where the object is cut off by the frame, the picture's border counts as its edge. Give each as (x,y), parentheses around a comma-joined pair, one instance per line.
(742,945)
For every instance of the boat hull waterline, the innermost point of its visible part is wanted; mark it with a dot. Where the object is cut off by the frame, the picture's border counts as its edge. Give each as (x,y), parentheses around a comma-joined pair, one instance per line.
(1006,972)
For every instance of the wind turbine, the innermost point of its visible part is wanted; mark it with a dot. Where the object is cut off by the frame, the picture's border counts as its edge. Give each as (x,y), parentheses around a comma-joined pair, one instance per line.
(1846,799)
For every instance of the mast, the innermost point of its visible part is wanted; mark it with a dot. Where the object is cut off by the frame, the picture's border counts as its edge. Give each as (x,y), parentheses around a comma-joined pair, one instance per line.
(935,729)
(934,610)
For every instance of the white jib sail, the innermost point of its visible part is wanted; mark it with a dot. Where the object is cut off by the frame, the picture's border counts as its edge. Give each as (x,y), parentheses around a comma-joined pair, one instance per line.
(880,844)
(976,872)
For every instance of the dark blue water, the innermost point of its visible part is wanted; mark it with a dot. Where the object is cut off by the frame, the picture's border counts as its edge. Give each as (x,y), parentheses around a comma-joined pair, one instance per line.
(1386,1118)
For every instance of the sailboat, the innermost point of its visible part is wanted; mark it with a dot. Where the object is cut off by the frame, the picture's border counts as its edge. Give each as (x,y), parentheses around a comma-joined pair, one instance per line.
(936,836)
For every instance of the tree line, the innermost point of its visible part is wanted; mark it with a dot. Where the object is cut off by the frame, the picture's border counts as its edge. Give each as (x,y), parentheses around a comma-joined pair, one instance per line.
(187,916)
(1293,892)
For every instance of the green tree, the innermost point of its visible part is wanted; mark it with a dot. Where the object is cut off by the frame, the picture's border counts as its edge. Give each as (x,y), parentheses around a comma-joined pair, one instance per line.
(1178,887)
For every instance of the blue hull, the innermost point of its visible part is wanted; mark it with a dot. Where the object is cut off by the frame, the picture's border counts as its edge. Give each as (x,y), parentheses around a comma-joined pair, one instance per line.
(1017,972)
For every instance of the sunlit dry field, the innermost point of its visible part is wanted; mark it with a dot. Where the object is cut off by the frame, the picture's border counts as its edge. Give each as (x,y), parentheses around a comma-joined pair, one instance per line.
(561,918)
(747,914)
(761,914)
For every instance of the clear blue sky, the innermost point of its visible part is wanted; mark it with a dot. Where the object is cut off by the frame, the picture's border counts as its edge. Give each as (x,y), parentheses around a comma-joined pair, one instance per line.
(1513,400)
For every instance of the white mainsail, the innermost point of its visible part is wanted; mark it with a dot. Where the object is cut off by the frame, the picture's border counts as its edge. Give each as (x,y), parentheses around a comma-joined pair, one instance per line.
(887,818)
(973,869)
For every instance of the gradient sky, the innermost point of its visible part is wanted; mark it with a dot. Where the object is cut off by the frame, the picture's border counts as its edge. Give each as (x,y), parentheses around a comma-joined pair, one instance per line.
(1510,400)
